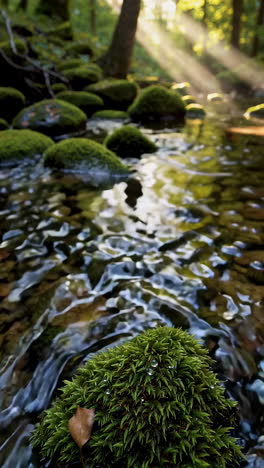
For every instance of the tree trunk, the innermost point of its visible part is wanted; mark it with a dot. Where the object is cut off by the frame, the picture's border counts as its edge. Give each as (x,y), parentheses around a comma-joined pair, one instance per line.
(117,59)
(236,22)
(93,16)
(54,8)
(259,22)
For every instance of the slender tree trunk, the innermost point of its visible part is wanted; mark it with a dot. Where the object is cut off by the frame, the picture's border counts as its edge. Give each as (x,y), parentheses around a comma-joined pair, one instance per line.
(93,16)
(117,59)
(259,22)
(236,22)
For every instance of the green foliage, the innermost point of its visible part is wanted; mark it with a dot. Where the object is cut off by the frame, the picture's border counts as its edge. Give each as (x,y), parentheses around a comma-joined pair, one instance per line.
(82,76)
(3,124)
(17,145)
(83,155)
(157,404)
(195,111)
(87,102)
(156,102)
(111,114)
(117,94)
(129,142)
(51,116)
(11,101)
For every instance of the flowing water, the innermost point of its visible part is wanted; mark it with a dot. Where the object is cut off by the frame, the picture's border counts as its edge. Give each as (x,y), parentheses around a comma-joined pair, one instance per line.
(82,268)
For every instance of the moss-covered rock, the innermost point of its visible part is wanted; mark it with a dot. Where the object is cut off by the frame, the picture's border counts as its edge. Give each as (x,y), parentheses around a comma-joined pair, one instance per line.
(82,76)
(156,102)
(51,116)
(11,101)
(117,94)
(79,48)
(157,404)
(109,114)
(83,155)
(3,124)
(215,97)
(70,63)
(63,31)
(195,111)
(6,48)
(129,142)
(87,102)
(181,88)
(255,113)
(188,99)
(18,145)
(58,87)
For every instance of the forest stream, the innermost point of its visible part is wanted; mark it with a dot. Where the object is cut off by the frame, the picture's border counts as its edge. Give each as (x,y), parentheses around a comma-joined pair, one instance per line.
(84,268)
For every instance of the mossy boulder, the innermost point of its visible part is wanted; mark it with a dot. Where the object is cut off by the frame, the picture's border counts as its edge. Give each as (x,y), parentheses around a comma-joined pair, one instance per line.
(63,31)
(79,48)
(156,102)
(195,111)
(188,99)
(3,124)
(84,155)
(157,404)
(87,102)
(52,117)
(82,76)
(129,142)
(181,88)
(19,145)
(215,97)
(58,87)
(117,94)
(109,114)
(255,113)
(70,63)
(6,48)
(11,101)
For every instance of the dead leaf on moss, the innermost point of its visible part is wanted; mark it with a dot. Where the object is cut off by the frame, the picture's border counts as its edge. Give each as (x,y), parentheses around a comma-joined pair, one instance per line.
(80,425)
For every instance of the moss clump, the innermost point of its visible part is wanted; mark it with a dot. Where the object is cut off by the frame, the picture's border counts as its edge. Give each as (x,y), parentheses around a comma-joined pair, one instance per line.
(79,48)
(129,142)
(51,116)
(157,404)
(58,87)
(111,115)
(117,94)
(255,113)
(17,145)
(188,99)
(83,155)
(3,124)
(181,88)
(63,30)
(81,76)
(156,102)
(6,48)
(215,97)
(87,102)
(11,101)
(195,111)
(70,63)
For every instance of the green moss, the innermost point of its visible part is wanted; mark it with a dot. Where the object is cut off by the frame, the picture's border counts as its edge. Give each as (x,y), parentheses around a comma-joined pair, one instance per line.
(156,102)
(117,94)
(63,30)
(17,145)
(88,102)
(3,124)
(195,111)
(157,404)
(215,97)
(188,99)
(79,48)
(11,101)
(181,88)
(82,76)
(255,112)
(111,115)
(51,116)
(129,142)
(70,63)
(20,46)
(83,155)
(58,87)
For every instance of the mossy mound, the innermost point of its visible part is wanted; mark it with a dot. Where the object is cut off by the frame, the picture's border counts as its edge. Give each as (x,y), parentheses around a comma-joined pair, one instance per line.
(87,102)
(63,31)
(195,111)
(156,102)
(129,142)
(255,113)
(188,99)
(11,101)
(3,124)
(82,76)
(58,87)
(6,48)
(18,145)
(117,94)
(83,155)
(52,117)
(79,48)
(157,404)
(109,114)
(215,97)
(181,88)
(70,63)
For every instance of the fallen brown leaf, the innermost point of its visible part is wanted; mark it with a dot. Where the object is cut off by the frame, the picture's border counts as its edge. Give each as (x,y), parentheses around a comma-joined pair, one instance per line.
(80,425)
(259,131)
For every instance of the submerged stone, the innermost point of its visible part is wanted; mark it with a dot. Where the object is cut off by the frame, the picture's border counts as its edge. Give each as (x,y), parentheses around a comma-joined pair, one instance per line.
(156,102)
(52,117)
(195,111)
(157,404)
(84,155)
(19,145)
(129,142)
(255,113)
(116,94)
(11,101)
(87,102)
